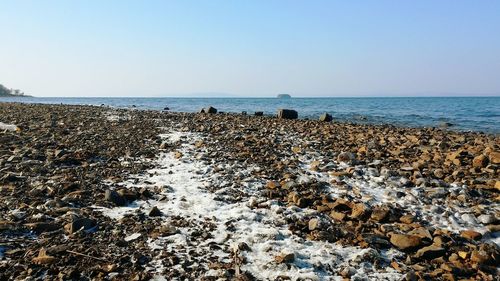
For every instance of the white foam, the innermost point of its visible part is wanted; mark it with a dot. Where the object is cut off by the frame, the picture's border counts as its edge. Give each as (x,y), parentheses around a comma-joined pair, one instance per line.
(264,230)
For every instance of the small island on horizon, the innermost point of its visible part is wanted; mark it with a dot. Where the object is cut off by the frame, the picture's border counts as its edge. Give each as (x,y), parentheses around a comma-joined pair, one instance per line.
(284,96)
(6,92)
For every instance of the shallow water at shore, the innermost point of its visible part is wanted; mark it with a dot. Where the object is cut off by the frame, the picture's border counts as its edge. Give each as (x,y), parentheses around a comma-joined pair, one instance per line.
(462,113)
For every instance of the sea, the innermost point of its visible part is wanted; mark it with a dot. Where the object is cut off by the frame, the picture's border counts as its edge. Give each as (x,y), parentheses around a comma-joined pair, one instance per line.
(479,114)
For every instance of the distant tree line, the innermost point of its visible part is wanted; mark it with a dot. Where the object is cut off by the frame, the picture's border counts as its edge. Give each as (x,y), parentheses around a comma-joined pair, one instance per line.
(5,92)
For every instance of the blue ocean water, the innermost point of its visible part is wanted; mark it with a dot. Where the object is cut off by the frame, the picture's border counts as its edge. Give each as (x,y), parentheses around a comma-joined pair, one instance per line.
(464,113)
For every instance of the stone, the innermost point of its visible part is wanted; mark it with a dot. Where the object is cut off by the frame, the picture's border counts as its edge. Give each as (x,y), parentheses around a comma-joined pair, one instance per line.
(287,114)
(359,210)
(210,110)
(285,258)
(40,227)
(404,241)
(421,232)
(471,235)
(439,173)
(480,161)
(430,252)
(379,214)
(114,197)
(494,157)
(43,258)
(346,157)
(83,223)
(259,113)
(338,216)
(155,212)
(407,219)
(325,117)
(480,257)
(272,184)
(313,223)
(487,219)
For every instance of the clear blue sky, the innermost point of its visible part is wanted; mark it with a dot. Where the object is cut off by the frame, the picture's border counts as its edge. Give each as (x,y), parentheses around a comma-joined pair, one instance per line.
(250,48)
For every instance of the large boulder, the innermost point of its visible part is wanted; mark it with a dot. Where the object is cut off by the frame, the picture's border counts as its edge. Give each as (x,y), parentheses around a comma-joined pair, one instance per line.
(325,117)
(404,241)
(209,109)
(287,114)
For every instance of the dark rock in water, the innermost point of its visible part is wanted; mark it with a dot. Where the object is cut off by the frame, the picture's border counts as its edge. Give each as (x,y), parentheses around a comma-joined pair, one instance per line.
(166,108)
(259,113)
(78,224)
(287,114)
(445,124)
(209,109)
(243,113)
(155,212)
(115,197)
(325,117)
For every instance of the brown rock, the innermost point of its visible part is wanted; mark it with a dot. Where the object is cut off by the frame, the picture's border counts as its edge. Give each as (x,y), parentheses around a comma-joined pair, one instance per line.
(405,242)
(338,216)
(43,258)
(480,161)
(479,257)
(380,213)
(471,235)
(407,219)
(272,184)
(285,258)
(359,210)
(439,173)
(495,157)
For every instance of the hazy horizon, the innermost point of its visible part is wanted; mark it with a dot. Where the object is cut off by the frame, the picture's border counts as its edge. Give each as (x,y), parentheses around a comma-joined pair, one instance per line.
(250,48)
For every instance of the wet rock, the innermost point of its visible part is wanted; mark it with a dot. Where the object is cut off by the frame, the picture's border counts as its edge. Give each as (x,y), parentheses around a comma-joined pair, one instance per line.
(114,197)
(325,117)
(259,113)
(287,114)
(405,242)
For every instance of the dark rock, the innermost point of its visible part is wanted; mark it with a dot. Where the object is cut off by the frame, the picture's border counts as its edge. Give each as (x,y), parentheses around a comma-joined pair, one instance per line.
(209,109)
(287,114)
(325,117)
(155,212)
(114,197)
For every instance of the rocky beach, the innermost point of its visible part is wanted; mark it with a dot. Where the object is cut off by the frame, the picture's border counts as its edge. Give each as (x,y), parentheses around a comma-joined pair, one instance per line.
(100,193)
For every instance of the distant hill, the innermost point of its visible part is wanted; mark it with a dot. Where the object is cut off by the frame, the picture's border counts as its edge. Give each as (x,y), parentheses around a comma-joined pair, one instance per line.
(284,96)
(6,92)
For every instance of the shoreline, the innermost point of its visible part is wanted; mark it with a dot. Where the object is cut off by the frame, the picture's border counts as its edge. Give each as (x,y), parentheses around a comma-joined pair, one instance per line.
(422,202)
(445,127)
